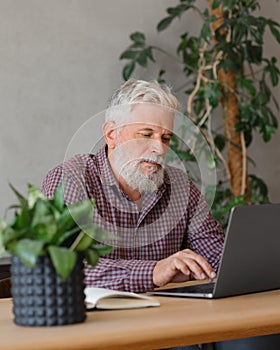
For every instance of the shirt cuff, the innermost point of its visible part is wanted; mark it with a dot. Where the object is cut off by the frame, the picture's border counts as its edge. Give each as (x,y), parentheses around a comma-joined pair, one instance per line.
(141,276)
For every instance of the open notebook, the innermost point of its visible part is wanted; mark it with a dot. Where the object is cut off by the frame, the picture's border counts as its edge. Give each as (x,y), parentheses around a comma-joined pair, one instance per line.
(250,261)
(101,298)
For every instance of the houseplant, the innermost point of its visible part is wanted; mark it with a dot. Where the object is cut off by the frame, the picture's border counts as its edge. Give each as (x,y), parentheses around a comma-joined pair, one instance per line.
(229,83)
(48,241)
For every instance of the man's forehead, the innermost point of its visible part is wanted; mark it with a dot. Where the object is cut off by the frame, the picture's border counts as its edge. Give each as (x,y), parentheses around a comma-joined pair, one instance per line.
(149,127)
(151,115)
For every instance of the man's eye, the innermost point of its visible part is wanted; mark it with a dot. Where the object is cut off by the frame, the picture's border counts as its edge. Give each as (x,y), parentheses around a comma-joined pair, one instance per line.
(146,135)
(166,139)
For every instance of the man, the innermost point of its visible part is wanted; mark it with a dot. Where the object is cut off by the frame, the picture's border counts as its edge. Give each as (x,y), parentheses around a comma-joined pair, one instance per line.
(165,230)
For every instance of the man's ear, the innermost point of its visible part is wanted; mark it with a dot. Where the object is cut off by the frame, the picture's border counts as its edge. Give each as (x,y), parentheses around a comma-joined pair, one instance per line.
(110,133)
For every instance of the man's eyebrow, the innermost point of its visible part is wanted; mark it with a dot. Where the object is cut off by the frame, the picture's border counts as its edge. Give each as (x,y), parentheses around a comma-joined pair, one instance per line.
(170,133)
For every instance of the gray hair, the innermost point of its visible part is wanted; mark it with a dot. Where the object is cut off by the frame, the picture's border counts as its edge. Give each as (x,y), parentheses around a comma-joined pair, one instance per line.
(139,91)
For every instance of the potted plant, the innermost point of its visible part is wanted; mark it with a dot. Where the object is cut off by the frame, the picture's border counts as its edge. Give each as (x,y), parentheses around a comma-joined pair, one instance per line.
(229,82)
(48,242)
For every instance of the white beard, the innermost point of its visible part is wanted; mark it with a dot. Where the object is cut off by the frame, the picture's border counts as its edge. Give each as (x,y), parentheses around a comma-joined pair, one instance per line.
(132,174)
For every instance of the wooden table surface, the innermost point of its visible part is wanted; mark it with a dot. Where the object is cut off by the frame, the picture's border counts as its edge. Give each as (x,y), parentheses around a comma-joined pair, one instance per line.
(178,321)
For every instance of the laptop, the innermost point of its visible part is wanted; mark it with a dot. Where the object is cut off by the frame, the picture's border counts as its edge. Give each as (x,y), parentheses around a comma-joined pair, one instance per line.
(250,261)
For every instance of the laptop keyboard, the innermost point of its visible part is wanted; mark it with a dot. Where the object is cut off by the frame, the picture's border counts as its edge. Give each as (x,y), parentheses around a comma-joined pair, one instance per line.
(198,288)
(206,288)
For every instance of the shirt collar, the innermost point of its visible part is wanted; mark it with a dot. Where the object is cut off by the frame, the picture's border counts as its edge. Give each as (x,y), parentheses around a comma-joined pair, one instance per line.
(106,173)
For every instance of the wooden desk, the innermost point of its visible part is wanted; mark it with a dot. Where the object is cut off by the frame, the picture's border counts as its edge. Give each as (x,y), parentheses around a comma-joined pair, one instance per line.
(176,322)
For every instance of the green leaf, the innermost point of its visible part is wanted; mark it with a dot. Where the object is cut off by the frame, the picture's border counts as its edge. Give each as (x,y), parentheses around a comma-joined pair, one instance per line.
(258,188)
(138,37)
(33,194)
(20,197)
(45,228)
(164,23)
(216,4)
(45,231)
(98,234)
(253,53)
(248,137)
(82,242)
(228,4)
(142,59)
(9,234)
(3,225)
(82,212)
(220,142)
(149,53)
(63,260)
(267,131)
(185,155)
(137,45)
(27,250)
(72,219)
(276,103)
(206,32)
(23,219)
(103,249)
(210,159)
(274,77)
(42,214)
(129,54)
(160,78)
(12,206)
(240,126)
(257,35)
(61,238)
(213,93)
(273,118)
(274,31)
(247,84)
(272,70)
(58,198)
(177,10)
(92,257)
(65,221)
(128,70)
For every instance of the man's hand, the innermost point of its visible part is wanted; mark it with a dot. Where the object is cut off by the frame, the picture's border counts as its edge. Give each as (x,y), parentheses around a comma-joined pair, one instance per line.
(180,267)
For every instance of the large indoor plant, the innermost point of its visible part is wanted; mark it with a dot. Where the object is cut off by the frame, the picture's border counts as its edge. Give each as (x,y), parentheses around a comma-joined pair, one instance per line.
(48,241)
(229,83)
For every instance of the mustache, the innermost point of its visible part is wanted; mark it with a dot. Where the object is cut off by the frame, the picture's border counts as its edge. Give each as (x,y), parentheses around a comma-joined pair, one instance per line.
(159,160)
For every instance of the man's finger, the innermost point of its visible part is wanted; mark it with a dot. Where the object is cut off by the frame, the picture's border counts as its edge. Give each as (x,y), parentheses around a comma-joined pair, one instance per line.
(206,268)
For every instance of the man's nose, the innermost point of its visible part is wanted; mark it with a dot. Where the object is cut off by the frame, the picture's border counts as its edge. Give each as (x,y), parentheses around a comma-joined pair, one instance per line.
(158,147)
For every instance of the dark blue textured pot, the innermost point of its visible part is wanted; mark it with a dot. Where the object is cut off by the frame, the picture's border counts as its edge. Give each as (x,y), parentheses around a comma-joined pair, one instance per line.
(41,298)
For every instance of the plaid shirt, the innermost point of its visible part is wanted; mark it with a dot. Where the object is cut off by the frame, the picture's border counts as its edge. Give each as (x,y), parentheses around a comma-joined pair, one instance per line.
(174,217)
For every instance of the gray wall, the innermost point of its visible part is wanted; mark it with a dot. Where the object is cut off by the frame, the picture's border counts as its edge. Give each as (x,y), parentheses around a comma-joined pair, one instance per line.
(58,67)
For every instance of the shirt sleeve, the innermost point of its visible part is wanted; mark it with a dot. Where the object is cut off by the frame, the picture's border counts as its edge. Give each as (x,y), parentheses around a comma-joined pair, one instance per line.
(205,235)
(121,274)
(72,177)
(51,181)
